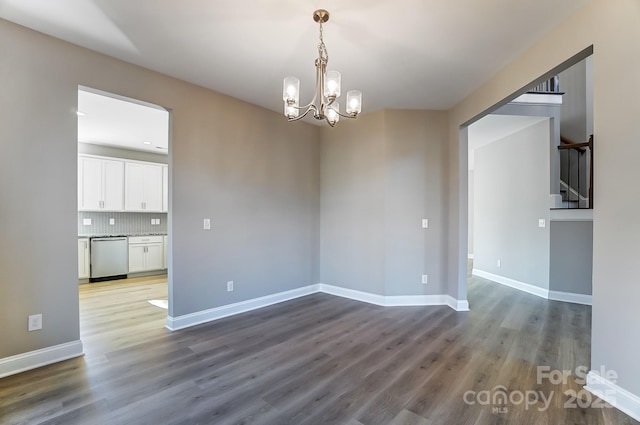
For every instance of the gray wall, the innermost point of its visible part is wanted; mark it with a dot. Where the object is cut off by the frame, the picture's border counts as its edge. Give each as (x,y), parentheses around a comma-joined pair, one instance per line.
(573,122)
(571,257)
(381,175)
(414,189)
(352,204)
(471,209)
(612,29)
(255,175)
(511,194)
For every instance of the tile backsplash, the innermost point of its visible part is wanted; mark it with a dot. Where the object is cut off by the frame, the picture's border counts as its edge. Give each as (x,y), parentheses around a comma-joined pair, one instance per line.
(124,223)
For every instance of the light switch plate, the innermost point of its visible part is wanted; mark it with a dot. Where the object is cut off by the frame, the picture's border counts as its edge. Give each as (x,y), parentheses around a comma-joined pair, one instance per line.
(206,224)
(425,279)
(35,322)
(425,223)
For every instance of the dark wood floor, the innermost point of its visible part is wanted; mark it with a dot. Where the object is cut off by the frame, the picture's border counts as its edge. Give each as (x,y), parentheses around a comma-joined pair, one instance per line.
(315,360)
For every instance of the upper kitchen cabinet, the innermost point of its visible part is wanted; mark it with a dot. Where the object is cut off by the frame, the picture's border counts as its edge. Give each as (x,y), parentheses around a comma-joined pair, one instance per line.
(143,187)
(100,184)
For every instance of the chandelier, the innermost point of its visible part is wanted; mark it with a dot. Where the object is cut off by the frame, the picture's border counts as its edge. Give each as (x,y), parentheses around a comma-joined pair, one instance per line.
(327,89)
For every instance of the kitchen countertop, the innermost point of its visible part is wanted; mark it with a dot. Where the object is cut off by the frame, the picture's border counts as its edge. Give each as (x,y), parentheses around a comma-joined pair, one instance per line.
(119,236)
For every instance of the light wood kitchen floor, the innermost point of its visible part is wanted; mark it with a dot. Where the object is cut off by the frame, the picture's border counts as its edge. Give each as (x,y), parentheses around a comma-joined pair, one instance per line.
(319,359)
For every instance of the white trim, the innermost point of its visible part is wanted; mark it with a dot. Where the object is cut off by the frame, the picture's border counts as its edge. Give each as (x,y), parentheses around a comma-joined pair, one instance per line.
(570,297)
(539,99)
(616,396)
(571,214)
(192,319)
(395,300)
(38,358)
(512,283)
(366,297)
(555,201)
(457,305)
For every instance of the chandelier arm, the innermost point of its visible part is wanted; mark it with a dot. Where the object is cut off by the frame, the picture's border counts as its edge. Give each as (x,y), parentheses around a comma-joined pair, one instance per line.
(332,124)
(346,116)
(309,109)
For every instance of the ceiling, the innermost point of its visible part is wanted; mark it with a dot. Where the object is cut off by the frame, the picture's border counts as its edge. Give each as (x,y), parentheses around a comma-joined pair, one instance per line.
(402,54)
(122,123)
(494,127)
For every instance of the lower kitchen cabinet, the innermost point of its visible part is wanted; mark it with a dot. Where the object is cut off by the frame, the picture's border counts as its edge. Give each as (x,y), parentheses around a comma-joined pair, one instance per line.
(83,258)
(165,245)
(146,253)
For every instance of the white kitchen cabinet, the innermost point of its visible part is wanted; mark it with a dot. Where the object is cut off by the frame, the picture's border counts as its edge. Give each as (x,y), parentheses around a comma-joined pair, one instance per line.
(83,258)
(143,187)
(145,253)
(165,188)
(165,246)
(100,184)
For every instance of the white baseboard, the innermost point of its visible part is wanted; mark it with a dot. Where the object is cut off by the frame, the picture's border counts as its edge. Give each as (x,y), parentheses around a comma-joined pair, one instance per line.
(395,300)
(192,319)
(570,297)
(366,297)
(38,358)
(457,305)
(616,396)
(516,284)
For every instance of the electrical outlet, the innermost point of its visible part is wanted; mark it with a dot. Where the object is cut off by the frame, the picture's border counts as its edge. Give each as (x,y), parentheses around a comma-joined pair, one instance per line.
(425,223)
(86,222)
(499,263)
(206,224)
(112,221)
(35,322)
(542,223)
(230,286)
(425,279)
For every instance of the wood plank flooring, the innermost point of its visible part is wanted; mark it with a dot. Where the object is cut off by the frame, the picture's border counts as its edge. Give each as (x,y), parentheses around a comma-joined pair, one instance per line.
(319,359)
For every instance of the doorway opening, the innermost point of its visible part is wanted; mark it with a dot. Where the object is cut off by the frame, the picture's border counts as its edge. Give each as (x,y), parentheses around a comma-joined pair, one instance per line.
(517,222)
(123,219)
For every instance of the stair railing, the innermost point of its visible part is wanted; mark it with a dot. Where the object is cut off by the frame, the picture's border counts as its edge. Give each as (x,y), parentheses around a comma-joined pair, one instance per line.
(575,174)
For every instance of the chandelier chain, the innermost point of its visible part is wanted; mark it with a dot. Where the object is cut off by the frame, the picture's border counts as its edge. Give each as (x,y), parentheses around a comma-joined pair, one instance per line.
(322,49)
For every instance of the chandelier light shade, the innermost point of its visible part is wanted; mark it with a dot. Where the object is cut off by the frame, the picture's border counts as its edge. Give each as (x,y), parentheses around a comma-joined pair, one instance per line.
(324,103)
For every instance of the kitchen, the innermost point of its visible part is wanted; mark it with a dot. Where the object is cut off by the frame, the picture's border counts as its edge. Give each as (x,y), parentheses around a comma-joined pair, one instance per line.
(123,179)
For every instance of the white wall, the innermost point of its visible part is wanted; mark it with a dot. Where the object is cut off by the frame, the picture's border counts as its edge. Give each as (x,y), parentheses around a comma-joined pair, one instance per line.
(511,193)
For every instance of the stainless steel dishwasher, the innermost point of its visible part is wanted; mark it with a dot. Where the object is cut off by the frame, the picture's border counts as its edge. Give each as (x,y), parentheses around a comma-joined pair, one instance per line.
(109,257)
